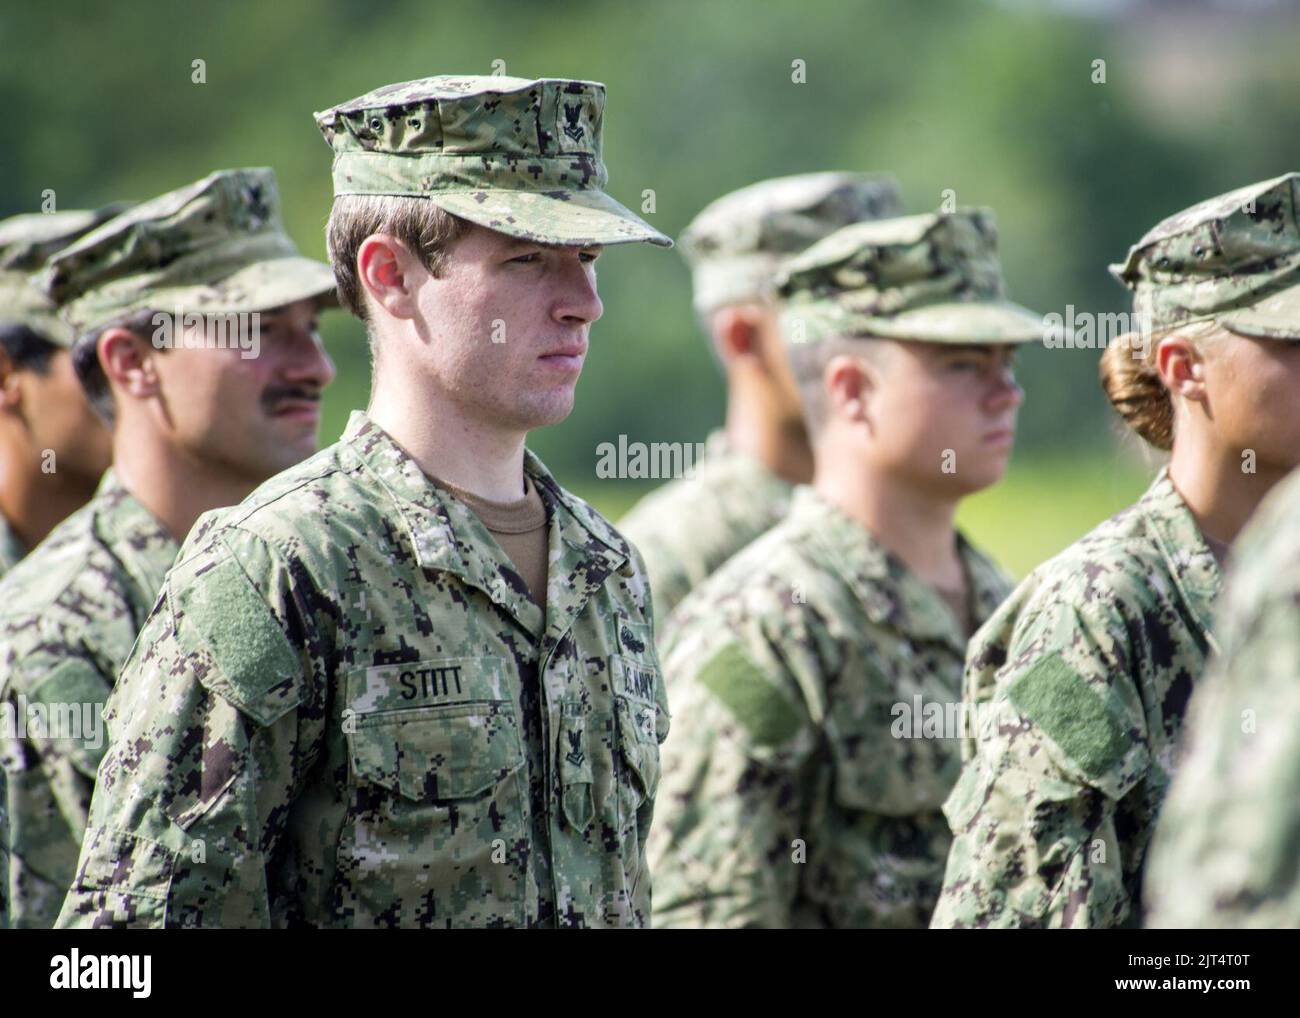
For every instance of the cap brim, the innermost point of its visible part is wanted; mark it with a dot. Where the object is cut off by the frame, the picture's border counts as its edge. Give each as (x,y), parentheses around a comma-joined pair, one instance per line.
(974,322)
(964,322)
(568,218)
(1277,316)
(262,286)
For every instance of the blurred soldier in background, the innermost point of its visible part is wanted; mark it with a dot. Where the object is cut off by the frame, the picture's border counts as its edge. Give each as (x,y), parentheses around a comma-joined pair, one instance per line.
(203,405)
(690,526)
(793,792)
(53,448)
(1225,850)
(1084,675)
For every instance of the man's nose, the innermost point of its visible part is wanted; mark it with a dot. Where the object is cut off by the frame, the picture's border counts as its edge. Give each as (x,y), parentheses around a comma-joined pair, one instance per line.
(309,362)
(579,303)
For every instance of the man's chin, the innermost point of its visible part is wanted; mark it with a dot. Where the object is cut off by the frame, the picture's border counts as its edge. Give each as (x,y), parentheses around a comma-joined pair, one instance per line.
(984,473)
(551,408)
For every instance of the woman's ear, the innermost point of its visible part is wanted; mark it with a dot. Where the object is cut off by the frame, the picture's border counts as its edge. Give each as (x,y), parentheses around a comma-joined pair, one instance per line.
(389,274)
(1182,368)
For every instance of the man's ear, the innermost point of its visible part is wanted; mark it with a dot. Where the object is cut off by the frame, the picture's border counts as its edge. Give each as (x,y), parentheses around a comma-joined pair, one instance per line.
(737,333)
(390,274)
(849,383)
(11,395)
(128,362)
(1182,368)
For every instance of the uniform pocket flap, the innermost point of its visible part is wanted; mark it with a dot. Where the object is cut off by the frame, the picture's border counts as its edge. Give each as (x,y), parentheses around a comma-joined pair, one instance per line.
(458,751)
(638,743)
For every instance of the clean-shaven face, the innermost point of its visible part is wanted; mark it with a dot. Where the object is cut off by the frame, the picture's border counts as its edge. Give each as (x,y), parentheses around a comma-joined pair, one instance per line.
(1252,387)
(945,415)
(506,327)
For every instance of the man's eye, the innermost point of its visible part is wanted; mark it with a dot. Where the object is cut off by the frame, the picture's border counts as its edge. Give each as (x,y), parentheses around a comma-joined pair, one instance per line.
(526,259)
(589,256)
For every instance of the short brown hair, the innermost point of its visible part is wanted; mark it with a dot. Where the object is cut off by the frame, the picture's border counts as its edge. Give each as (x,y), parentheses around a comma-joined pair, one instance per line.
(426,230)
(808,363)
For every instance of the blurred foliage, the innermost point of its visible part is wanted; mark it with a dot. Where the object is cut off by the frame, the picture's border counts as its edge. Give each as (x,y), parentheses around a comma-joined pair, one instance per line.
(993,101)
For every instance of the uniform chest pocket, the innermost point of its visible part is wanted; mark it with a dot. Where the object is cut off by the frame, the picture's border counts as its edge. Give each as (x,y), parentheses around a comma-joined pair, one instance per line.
(436,832)
(883,769)
(457,751)
(443,728)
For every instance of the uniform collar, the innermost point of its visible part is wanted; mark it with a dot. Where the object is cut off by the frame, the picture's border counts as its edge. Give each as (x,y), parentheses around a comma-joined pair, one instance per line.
(584,550)
(134,535)
(1192,565)
(892,595)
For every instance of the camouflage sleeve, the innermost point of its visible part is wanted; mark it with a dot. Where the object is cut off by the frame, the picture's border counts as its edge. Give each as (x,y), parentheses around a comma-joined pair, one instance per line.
(211,731)
(733,796)
(1225,848)
(54,698)
(1033,814)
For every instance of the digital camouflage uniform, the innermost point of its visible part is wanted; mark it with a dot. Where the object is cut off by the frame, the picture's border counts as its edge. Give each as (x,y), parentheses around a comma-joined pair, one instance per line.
(1085,673)
(71,610)
(787,798)
(25,242)
(68,616)
(688,527)
(1225,848)
(346,709)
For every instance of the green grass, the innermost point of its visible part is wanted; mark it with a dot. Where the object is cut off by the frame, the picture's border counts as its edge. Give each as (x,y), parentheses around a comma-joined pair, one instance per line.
(1039,508)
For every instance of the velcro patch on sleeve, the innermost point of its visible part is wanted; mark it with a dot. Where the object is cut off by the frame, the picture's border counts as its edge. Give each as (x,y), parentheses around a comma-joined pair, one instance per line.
(255,666)
(1071,713)
(72,695)
(742,687)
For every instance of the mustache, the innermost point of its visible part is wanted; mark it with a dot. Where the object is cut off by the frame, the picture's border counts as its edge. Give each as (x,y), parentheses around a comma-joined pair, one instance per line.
(278,394)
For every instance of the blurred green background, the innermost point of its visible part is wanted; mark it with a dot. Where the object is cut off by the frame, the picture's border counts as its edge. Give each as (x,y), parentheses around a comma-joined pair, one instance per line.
(995,101)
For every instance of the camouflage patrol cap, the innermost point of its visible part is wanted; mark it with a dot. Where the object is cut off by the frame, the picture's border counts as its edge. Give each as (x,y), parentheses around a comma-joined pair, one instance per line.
(216,246)
(518,156)
(933,277)
(736,244)
(26,241)
(1234,258)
